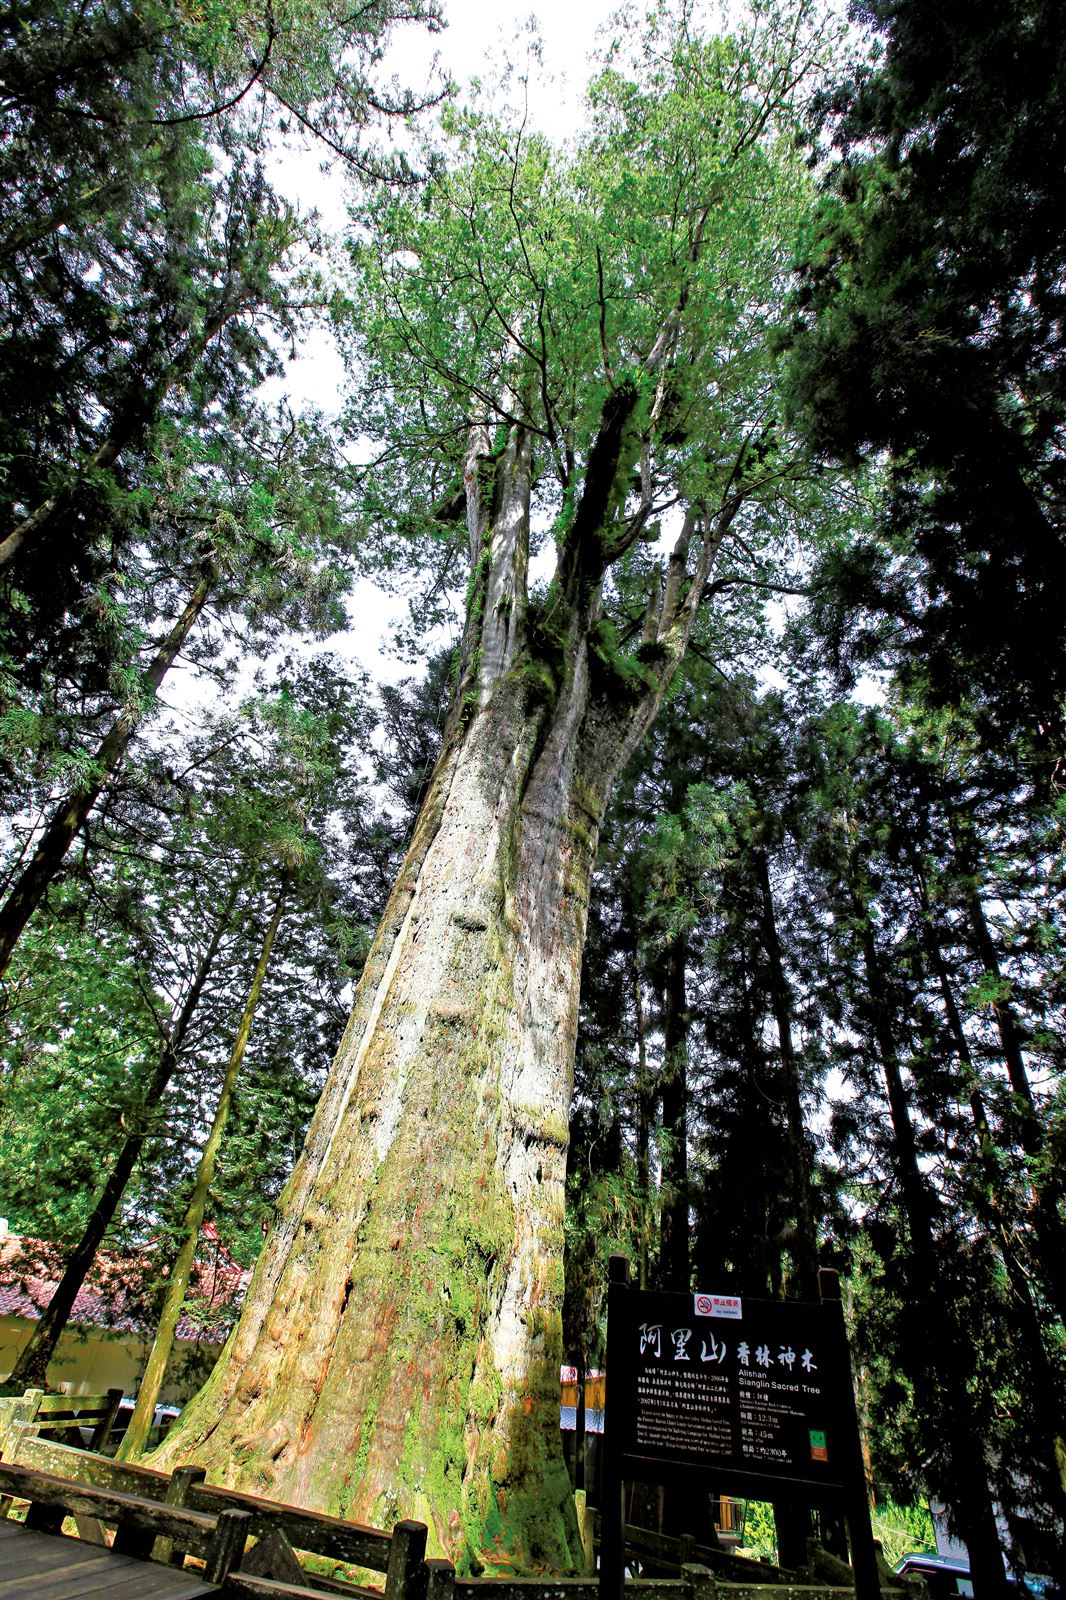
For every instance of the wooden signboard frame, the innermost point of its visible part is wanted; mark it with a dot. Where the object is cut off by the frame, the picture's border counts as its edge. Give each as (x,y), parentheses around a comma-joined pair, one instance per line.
(750,1397)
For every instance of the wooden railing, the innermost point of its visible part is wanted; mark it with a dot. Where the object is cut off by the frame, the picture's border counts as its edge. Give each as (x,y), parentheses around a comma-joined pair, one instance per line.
(659,1555)
(66,1414)
(216,1540)
(167,1516)
(59,1480)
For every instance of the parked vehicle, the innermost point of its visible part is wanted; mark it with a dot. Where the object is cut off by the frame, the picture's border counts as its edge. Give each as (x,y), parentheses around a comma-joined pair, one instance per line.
(944,1575)
(950,1575)
(162,1422)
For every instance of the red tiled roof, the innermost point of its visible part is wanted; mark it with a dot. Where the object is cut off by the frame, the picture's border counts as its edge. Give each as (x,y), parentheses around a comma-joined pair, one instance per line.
(30,1270)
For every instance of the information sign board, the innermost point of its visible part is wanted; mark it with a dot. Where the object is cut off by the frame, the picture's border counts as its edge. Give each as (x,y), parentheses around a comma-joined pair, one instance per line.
(730,1383)
(748,1396)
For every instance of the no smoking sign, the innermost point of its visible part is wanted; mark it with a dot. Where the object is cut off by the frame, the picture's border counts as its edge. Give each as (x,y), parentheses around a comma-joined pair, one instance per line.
(718,1305)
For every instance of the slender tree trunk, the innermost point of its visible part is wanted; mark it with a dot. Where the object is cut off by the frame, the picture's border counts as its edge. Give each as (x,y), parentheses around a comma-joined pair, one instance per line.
(684,1506)
(400,1345)
(136,1436)
(759,1258)
(793,1522)
(31,1368)
(643,1135)
(1047,1182)
(806,1251)
(1001,1225)
(1010,1035)
(674,1271)
(579,1424)
(72,813)
(939,1378)
(975,1097)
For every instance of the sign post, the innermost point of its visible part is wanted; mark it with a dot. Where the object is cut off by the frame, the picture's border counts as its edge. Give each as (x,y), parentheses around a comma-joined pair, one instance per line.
(751,1395)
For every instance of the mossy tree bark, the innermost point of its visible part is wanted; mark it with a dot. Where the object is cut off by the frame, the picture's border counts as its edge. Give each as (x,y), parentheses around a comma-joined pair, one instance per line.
(399,1350)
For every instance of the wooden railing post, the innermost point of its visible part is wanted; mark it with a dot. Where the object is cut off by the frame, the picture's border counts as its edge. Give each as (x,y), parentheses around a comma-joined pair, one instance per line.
(227,1546)
(16,1414)
(103,1428)
(19,1410)
(136,1542)
(43,1519)
(440,1579)
(699,1581)
(182,1480)
(406,1575)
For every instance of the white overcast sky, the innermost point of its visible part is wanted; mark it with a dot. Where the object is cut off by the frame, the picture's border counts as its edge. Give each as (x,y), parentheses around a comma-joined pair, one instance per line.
(477,31)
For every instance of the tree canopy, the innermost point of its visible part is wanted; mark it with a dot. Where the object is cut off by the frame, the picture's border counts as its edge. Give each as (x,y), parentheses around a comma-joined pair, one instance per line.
(721,843)
(930,327)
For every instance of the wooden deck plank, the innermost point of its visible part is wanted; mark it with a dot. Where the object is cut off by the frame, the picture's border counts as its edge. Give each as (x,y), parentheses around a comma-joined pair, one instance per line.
(44,1552)
(26,1557)
(77,1579)
(47,1566)
(53,1568)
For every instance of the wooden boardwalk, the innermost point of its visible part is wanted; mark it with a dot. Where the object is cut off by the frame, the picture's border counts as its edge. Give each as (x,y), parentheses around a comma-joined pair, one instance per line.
(43,1566)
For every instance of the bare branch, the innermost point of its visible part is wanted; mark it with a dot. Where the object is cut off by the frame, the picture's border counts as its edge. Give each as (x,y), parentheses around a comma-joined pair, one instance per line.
(734,579)
(227,105)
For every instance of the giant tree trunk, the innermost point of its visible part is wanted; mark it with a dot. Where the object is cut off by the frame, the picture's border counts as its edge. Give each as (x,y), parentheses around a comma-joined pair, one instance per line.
(399,1350)
(404,1322)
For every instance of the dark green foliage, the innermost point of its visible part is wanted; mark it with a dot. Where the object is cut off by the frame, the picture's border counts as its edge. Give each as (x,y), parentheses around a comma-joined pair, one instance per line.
(150,279)
(930,326)
(686,1082)
(874,838)
(98,982)
(413,715)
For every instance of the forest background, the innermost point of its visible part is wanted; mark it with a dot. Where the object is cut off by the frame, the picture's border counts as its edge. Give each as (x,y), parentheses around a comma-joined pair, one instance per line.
(822,988)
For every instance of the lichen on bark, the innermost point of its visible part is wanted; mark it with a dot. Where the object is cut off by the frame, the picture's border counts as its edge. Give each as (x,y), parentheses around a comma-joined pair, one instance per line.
(399,1350)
